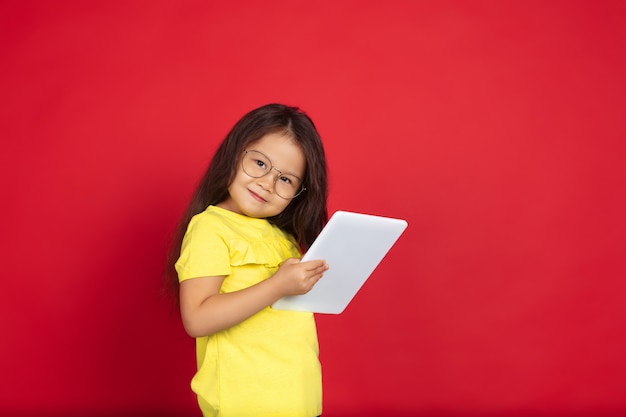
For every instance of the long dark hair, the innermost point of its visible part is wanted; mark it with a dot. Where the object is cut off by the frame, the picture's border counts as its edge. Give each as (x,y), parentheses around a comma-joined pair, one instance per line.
(304,217)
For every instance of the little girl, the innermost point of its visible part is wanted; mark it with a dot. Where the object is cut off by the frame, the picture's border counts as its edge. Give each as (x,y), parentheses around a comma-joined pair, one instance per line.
(261,202)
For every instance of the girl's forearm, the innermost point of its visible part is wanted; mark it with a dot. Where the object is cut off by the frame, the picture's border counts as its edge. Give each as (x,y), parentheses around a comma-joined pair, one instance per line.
(206,311)
(221,311)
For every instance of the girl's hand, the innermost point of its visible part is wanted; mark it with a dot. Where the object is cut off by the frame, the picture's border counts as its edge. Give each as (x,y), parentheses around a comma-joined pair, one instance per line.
(295,277)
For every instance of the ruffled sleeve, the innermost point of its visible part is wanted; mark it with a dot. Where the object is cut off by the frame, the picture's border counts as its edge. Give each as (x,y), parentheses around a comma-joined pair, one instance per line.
(269,253)
(204,252)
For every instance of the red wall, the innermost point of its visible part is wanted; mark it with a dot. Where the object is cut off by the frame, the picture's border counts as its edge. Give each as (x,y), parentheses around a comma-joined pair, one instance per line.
(495,128)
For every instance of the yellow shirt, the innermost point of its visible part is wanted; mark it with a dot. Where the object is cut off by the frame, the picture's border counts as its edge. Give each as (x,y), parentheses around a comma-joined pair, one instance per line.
(267,365)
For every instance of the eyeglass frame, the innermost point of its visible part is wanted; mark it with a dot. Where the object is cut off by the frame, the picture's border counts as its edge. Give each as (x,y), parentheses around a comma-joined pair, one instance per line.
(272,167)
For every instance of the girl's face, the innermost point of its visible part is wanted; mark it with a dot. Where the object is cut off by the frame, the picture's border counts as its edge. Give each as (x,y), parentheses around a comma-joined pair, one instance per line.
(256,197)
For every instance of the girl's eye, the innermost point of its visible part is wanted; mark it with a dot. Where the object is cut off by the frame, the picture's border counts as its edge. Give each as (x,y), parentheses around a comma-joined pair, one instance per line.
(286,180)
(260,164)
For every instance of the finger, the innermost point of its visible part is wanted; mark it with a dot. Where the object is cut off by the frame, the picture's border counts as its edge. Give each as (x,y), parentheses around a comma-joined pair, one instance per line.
(316,263)
(315,278)
(321,269)
(318,267)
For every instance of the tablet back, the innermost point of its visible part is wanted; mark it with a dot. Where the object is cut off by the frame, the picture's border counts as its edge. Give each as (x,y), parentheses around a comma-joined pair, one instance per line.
(353,244)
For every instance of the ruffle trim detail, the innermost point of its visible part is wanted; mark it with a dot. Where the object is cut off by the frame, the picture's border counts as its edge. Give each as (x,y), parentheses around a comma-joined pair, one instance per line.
(271,253)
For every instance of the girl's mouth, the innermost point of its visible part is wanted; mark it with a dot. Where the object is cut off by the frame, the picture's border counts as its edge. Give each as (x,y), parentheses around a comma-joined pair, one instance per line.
(257,197)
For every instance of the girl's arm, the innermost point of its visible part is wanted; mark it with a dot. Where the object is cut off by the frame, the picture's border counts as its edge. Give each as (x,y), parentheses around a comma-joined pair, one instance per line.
(205,311)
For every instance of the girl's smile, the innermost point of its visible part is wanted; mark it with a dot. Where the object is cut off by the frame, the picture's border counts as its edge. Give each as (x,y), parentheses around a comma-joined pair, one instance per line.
(257,197)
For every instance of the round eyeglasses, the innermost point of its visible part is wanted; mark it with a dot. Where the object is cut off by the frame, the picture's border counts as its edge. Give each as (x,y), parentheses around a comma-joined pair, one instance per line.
(257,165)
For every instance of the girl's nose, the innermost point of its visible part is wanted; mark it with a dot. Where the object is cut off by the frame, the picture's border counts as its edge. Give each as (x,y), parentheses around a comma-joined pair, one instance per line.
(268,181)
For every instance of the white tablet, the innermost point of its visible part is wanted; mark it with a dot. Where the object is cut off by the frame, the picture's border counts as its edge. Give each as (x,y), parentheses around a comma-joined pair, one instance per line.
(353,245)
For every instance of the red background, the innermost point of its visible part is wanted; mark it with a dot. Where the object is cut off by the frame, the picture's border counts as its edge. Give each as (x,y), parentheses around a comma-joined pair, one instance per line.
(495,128)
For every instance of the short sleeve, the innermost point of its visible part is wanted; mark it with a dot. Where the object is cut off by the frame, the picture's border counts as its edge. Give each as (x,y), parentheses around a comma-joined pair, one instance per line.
(204,252)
